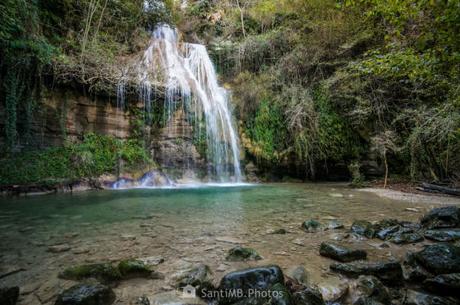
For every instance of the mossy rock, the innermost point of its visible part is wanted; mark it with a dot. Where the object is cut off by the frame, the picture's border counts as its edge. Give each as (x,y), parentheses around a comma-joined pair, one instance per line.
(132,268)
(239,254)
(103,272)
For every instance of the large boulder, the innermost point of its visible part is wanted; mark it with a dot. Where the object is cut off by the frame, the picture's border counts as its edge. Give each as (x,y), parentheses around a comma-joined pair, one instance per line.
(341,253)
(363,228)
(86,294)
(421,298)
(444,217)
(443,235)
(238,254)
(252,279)
(444,284)
(440,258)
(390,272)
(9,295)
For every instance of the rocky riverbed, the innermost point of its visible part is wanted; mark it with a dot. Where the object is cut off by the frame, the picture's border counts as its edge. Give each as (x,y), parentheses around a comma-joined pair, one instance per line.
(325,246)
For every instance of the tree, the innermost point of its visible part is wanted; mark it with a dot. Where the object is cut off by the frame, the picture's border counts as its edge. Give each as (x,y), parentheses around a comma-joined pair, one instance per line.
(384,143)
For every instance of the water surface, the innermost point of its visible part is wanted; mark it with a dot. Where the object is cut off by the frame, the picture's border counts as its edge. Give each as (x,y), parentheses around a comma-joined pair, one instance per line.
(183,226)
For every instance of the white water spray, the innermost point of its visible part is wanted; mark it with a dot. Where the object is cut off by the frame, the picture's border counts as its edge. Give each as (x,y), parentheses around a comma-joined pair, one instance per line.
(190,80)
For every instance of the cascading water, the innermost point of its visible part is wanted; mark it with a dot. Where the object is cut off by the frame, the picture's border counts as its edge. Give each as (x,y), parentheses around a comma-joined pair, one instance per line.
(190,79)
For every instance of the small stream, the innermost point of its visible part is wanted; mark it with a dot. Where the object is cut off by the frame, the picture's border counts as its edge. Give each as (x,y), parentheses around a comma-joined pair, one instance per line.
(183,227)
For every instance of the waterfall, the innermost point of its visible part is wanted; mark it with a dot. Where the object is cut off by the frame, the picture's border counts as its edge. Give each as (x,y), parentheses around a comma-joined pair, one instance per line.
(191,85)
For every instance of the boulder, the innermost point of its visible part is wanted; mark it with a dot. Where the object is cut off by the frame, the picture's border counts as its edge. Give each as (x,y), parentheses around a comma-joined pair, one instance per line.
(443,235)
(259,278)
(9,295)
(412,271)
(363,228)
(103,272)
(238,254)
(387,232)
(444,284)
(132,268)
(402,238)
(440,258)
(86,294)
(311,226)
(199,277)
(308,296)
(341,253)
(333,289)
(370,290)
(443,217)
(389,272)
(421,298)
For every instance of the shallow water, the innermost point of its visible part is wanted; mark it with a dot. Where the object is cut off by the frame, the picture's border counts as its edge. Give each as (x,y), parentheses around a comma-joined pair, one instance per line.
(183,226)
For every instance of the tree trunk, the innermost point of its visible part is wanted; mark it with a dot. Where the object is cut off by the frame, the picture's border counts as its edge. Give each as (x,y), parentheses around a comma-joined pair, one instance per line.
(242,18)
(386,170)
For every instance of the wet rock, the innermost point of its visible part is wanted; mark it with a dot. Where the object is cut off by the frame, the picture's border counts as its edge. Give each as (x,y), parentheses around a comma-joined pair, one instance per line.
(334,225)
(370,290)
(299,274)
(308,296)
(440,258)
(59,248)
(390,272)
(311,226)
(420,298)
(9,295)
(86,294)
(412,271)
(401,238)
(444,217)
(443,235)
(199,277)
(341,253)
(444,284)
(103,272)
(385,233)
(132,268)
(363,228)
(259,278)
(238,254)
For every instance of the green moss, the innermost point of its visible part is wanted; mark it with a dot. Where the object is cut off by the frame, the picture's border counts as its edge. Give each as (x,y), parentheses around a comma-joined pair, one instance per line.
(103,272)
(93,157)
(134,268)
(242,254)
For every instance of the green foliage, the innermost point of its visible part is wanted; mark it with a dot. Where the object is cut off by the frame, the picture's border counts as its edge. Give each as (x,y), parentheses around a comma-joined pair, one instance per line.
(266,131)
(93,157)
